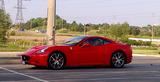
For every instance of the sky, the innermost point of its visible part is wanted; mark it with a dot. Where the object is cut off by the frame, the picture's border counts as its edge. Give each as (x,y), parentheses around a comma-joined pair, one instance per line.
(135,12)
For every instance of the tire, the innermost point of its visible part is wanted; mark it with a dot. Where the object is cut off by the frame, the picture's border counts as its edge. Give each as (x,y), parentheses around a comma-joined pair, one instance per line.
(56,61)
(118,60)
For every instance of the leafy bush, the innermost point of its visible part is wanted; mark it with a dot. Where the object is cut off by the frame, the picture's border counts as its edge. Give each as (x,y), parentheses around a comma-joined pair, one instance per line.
(136,43)
(63,30)
(5,22)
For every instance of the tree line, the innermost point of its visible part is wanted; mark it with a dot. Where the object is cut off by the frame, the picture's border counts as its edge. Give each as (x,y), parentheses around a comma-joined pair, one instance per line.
(116,31)
(113,30)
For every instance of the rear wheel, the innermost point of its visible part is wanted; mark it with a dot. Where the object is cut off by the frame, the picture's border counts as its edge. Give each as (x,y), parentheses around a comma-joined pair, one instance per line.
(118,60)
(56,61)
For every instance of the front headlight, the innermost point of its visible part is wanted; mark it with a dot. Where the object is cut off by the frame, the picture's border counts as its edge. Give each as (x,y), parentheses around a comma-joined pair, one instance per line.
(42,50)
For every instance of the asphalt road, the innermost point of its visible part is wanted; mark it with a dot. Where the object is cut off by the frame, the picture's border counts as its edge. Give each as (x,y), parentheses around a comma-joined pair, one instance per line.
(142,69)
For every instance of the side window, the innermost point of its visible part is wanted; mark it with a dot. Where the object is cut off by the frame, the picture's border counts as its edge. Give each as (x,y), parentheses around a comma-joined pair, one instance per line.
(106,42)
(96,41)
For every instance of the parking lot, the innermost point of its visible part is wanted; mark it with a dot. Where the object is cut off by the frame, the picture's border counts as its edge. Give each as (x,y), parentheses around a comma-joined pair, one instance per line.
(142,69)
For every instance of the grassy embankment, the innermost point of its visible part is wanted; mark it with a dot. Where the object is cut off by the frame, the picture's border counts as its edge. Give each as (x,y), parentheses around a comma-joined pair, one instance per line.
(147,51)
(21,41)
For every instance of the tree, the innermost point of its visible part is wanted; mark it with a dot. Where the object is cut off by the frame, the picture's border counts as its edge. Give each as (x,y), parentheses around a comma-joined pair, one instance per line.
(35,22)
(146,31)
(156,30)
(135,30)
(119,30)
(74,26)
(81,27)
(5,22)
(125,29)
(104,28)
(41,23)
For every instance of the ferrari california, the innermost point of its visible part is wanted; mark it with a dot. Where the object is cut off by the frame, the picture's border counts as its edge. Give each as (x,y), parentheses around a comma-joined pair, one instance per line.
(80,51)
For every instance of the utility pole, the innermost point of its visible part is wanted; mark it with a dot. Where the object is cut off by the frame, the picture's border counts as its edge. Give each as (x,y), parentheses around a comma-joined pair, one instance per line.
(62,24)
(84,30)
(152,33)
(152,29)
(51,22)
(2,5)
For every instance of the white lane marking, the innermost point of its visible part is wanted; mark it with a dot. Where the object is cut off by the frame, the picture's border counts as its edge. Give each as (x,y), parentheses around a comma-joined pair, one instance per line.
(35,78)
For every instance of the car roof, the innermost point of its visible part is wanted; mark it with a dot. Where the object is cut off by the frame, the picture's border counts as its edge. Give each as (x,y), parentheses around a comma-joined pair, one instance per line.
(89,36)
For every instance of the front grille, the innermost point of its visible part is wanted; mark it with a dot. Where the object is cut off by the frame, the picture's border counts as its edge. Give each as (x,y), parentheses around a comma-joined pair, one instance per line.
(25,58)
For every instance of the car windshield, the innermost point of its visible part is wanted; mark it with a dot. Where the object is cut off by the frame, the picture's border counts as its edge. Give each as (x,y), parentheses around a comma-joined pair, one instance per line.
(74,41)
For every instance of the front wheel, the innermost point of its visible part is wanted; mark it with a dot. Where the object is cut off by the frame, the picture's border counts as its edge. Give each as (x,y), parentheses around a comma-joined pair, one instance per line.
(118,60)
(56,61)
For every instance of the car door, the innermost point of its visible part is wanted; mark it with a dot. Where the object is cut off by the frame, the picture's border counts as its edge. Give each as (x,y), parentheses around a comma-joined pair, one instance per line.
(90,52)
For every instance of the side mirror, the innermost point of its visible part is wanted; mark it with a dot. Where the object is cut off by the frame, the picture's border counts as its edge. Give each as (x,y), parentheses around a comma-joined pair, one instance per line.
(85,45)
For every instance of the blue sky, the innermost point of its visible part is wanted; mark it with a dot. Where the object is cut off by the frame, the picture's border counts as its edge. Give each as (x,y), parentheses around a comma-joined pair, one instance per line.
(135,12)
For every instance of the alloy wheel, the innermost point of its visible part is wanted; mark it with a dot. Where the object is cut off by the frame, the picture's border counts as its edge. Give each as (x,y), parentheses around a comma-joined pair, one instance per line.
(118,60)
(56,61)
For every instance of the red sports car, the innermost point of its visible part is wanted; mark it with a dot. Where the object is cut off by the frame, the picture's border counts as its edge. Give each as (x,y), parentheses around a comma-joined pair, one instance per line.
(80,51)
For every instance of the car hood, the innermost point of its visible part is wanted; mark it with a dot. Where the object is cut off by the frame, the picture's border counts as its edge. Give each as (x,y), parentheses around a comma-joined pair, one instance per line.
(37,48)
(33,50)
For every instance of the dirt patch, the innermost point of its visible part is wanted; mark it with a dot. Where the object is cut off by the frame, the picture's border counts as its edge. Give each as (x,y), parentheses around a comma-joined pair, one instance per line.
(34,38)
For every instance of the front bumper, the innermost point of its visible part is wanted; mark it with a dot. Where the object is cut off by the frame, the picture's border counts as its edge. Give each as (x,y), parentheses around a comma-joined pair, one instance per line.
(35,59)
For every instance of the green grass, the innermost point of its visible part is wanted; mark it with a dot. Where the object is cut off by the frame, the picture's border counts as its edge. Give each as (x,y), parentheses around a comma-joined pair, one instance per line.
(12,49)
(17,46)
(30,33)
(6,48)
(146,51)
(156,43)
(146,37)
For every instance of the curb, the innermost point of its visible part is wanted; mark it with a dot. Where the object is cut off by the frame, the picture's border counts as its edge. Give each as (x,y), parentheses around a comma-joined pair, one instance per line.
(9,58)
(10,54)
(3,58)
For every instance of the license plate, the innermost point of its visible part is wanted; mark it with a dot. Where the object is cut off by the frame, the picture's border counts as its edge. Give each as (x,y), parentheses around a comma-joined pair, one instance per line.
(23,62)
